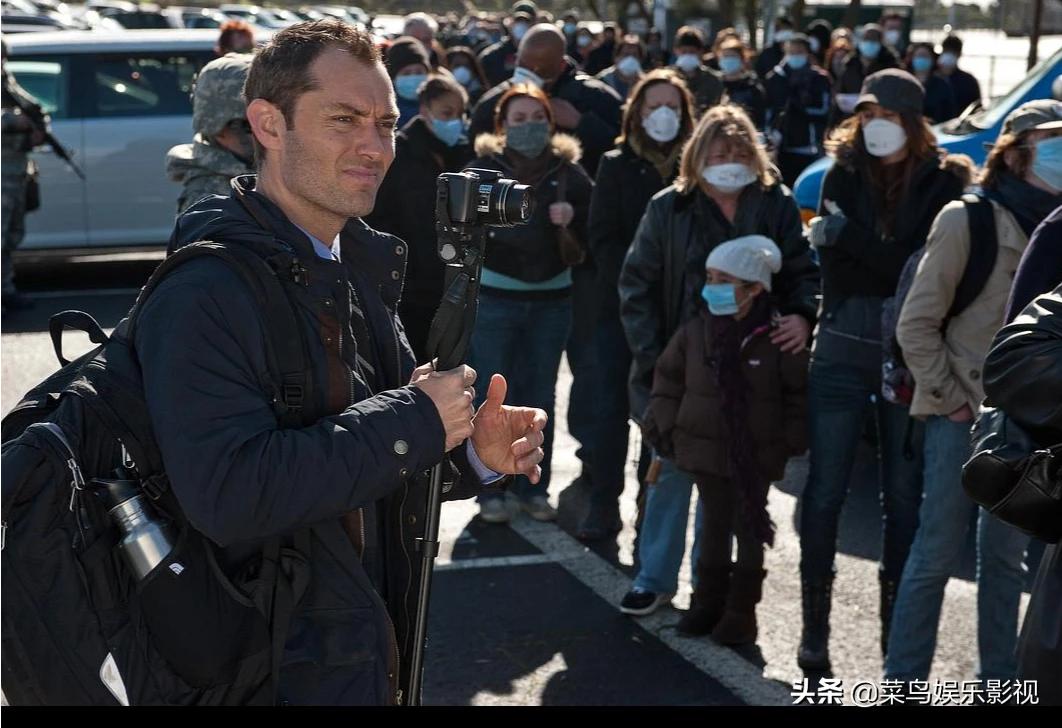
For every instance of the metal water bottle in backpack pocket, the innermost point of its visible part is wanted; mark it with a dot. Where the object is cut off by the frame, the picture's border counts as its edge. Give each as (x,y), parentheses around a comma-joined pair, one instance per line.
(146,538)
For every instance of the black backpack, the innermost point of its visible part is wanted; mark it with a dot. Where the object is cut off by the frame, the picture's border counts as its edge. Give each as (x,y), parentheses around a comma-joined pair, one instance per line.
(897,383)
(78,628)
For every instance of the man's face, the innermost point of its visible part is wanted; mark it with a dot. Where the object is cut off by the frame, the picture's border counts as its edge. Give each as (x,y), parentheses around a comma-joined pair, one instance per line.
(544,60)
(342,141)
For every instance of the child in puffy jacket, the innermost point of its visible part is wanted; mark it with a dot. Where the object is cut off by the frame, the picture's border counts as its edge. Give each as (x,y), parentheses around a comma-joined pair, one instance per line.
(730,408)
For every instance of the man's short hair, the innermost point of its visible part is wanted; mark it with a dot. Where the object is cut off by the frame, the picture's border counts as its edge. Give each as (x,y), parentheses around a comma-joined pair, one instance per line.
(280,72)
(690,35)
(891,15)
(952,44)
(421,19)
(439,85)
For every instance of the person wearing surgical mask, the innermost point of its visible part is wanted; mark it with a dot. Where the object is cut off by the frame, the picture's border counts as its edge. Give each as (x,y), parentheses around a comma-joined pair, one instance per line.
(869,56)
(408,65)
(657,121)
(703,82)
(798,102)
(964,86)
(629,66)
(525,311)
(463,64)
(940,101)
(583,43)
(434,141)
(726,188)
(772,55)
(887,185)
(841,46)
(603,54)
(730,408)
(499,60)
(743,87)
(1021,185)
(892,32)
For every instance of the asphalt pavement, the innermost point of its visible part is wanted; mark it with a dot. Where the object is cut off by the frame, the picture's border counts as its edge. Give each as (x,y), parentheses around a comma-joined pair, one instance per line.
(526,615)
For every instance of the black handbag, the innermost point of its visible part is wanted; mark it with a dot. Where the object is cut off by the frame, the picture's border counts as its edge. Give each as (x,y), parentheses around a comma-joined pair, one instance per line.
(1013,478)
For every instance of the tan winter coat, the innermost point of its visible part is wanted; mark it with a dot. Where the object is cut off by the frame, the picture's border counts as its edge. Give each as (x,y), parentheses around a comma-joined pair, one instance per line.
(947,366)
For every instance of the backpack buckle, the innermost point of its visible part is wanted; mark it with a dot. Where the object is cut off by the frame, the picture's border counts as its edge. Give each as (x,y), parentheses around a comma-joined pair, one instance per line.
(155,486)
(292,396)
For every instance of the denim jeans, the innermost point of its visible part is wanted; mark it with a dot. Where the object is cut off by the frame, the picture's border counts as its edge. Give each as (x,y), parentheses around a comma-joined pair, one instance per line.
(838,396)
(612,413)
(662,541)
(943,522)
(522,340)
(582,360)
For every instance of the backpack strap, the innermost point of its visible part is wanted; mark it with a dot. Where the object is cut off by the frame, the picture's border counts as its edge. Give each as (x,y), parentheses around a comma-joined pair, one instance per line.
(984,249)
(291,380)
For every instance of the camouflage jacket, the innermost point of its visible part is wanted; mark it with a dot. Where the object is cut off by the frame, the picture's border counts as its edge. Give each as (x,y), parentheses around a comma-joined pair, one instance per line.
(203,169)
(15,140)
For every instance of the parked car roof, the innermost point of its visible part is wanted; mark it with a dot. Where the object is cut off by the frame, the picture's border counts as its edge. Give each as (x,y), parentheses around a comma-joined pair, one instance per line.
(95,41)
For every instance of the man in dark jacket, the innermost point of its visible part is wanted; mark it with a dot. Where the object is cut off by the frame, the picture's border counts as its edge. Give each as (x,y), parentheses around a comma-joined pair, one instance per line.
(704,83)
(372,424)
(499,60)
(870,56)
(584,107)
(964,86)
(405,204)
(773,54)
(601,57)
(798,101)
(1023,377)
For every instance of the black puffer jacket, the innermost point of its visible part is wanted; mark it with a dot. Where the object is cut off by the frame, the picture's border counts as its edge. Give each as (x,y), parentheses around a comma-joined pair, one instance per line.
(530,252)
(598,103)
(798,104)
(865,261)
(405,207)
(354,474)
(625,183)
(1023,377)
(674,237)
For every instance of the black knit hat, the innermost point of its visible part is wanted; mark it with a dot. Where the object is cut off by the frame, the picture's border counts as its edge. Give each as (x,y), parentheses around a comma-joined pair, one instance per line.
(893,89)
(405,51)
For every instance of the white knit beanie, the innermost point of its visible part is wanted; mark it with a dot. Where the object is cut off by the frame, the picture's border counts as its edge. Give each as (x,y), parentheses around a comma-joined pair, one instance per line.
(751,258)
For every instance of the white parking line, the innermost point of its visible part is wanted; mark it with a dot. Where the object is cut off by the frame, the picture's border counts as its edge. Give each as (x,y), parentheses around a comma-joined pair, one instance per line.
(495,562)
(738,675)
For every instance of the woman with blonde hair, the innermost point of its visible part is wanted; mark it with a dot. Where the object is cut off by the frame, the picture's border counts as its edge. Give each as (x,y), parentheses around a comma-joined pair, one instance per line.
(657,121)
(726,188)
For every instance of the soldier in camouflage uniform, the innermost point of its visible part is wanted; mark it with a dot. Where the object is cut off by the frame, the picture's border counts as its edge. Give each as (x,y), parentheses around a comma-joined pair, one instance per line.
(222,147)
(19,134)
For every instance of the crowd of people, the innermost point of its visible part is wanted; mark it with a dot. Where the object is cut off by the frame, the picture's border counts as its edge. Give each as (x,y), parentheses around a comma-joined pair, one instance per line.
(667,259)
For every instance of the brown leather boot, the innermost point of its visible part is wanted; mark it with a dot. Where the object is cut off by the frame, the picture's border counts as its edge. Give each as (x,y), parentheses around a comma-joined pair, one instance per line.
(738,624)
(707,604)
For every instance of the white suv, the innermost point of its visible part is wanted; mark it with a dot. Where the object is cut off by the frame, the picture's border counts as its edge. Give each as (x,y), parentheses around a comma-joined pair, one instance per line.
(118,102)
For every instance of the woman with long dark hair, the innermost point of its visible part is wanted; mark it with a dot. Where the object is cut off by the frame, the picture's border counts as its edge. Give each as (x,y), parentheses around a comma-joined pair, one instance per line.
(657,121)
(878,201)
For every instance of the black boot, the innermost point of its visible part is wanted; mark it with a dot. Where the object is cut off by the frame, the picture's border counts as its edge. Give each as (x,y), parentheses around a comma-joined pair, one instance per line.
(600,523)
(708,602)
(738,625)
(814,652)
(889,588)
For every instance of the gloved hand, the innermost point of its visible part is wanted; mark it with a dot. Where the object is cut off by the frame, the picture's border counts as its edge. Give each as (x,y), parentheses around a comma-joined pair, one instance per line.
(823,231)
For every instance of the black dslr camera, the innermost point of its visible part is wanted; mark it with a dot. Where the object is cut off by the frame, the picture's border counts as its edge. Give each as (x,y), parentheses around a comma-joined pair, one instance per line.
(474,199)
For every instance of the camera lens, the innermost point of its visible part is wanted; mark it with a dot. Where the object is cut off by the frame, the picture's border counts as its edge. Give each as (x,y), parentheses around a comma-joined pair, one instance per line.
(514,203)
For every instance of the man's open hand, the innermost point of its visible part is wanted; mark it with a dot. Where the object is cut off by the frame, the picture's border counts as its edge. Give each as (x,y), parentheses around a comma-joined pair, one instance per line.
(509,439)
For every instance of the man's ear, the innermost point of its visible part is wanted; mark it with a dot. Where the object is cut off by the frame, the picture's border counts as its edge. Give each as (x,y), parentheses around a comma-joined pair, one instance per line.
(267,124)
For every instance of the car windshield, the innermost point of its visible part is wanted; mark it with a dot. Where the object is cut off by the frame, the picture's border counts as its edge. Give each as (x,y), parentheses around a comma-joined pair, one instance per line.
(989,117)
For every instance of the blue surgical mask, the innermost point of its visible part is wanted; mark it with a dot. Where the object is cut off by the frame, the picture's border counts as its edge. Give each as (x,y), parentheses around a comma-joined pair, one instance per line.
(449,132)
(730,64)
(406,86)
(570,28)
(921,64)
(721,298)
(796,62)
(1048,162)
(869,48)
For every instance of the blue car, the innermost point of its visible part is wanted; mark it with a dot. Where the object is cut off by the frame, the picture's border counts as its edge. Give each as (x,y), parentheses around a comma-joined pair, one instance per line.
(967,134)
